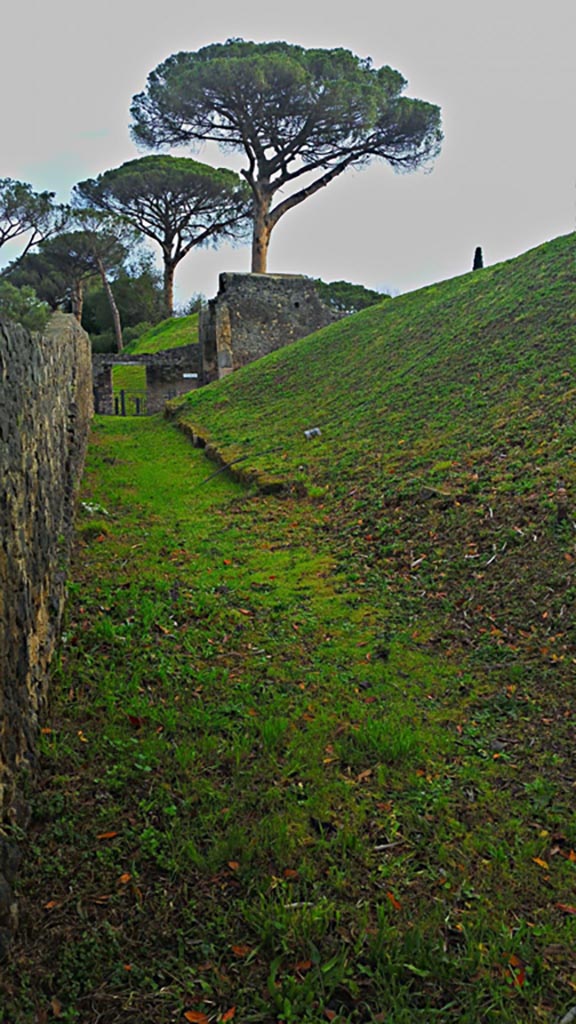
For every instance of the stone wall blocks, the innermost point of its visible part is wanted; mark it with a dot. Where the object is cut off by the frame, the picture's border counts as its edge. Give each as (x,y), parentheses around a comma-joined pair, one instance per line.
(45,410)
(254,314)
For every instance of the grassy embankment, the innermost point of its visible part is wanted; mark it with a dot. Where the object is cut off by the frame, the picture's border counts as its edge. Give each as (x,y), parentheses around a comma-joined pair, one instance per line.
(311,757)
(171,333)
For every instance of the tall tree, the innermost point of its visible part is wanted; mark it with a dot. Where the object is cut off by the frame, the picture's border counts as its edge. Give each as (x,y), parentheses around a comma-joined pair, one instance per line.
(301,117)
(37,271)
(62,264)
(137,289)
(107,241)
(478,258)
(177,202)
(32,216)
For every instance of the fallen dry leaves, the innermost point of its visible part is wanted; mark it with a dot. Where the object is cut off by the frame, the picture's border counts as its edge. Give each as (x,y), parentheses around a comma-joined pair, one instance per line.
(196,1017)
(241,951)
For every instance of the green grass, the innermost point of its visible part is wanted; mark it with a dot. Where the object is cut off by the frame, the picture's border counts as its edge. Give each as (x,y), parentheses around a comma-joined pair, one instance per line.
(311,754)
(431,388)
(132,381)
(171,333)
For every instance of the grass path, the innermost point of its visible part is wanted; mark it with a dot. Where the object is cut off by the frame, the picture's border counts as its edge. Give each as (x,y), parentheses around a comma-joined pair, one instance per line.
(258,802)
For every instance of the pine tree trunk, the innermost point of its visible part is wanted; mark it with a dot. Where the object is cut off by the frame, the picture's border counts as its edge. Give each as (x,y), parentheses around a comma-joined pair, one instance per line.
(169,269)
(77,300)
(261,234)
(113,307)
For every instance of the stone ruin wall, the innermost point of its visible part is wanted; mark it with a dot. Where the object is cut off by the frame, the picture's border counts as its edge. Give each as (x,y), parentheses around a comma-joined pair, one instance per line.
(45,411)
(164,376)
(254,314)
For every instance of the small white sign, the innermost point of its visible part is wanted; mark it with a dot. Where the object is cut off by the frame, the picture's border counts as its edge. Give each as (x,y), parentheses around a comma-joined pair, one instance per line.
(187,376)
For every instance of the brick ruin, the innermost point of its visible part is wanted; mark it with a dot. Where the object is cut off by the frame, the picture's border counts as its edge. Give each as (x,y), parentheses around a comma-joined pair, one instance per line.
(254,314)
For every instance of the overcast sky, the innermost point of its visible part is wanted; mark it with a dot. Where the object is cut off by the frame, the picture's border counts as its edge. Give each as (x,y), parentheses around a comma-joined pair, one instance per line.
(503,72)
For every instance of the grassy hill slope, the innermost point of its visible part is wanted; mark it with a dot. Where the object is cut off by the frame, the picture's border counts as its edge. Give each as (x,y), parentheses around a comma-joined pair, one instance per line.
(462,371)
(446,458)
(446,476)
(171,333)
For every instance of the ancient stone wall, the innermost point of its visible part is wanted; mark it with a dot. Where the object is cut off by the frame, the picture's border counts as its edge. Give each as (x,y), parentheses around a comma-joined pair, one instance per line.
(254,314)
(168,374)
(45,409)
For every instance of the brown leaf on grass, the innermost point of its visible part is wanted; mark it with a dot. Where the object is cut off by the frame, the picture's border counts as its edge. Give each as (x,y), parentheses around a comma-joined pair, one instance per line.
(233,865)
(51,904)
(302,966)
(196,1017)
(106,835)
(330,1014)
(229,1015)
(366,774)
(517,970)
(290,873)
(241,951)
(56,1006)
(124,879)
(395,903)
(541,863)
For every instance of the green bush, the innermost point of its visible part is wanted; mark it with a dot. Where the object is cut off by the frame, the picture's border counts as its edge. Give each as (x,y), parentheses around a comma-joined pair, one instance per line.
(105,342)
(132,333)
(23,306)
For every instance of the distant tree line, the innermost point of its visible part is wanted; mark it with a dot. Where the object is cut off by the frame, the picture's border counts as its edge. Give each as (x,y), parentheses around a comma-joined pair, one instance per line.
(300,118)
(345,298)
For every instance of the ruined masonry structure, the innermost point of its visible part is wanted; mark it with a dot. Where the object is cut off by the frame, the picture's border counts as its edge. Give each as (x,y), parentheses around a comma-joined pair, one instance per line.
(254,314)
(169,373)
(45,411)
